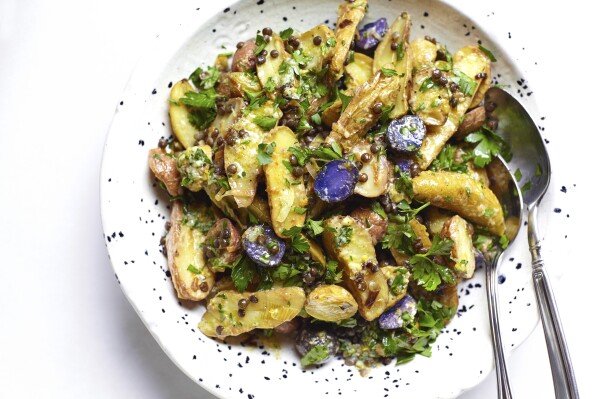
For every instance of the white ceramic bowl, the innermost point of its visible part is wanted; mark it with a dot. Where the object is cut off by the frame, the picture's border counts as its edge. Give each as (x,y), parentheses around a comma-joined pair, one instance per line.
(134,213)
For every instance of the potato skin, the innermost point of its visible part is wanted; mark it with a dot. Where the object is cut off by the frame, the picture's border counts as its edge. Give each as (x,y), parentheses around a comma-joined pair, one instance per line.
(330,303)
(181,248)
(463,195)
(473,120)
(284,198)
(165,169)
(244,59)
(273,308)
(375,224)
(462,254)
(352,257)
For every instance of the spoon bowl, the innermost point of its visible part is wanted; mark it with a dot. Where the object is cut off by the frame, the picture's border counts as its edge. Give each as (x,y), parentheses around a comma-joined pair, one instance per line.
(531,161)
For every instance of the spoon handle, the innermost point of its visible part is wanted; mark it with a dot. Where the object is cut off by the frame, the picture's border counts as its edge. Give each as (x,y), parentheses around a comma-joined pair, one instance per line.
(503,383)
(564,382)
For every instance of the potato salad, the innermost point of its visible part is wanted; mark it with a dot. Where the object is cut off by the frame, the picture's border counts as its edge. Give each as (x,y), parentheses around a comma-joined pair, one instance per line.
(333,185)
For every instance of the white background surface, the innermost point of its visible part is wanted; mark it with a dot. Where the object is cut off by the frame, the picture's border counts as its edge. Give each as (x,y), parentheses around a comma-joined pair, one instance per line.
(66,329)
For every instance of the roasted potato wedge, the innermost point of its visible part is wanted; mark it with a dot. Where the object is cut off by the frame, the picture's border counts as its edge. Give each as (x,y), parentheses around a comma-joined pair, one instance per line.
(269,72)
(377,171)
(468,63)
(462,254)
(349,16)
(191,277)
(429,100)
(424,53)
(463,195)
(274,307)
(348,242)
(244,152)
(319,55)
(473,61)
(359,71)
(330,303)
(179,114)
(359,116)
(286,194)
(399,60)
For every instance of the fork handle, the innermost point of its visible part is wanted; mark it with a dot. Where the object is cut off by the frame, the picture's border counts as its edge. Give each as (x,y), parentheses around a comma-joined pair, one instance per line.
(564,382)
(503,383)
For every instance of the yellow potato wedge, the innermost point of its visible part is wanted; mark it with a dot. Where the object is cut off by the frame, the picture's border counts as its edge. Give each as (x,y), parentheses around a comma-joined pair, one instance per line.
(359,71)
(191,276)
(462,254)
(330,303)
(349,15)
(399,60)
(349,243)
(184,131)
(286,194)
(463,195)
(244,153)
(319,55)
(428,100)
(468,62)
(358,117)
(274,307)
(424,53)
(377,171)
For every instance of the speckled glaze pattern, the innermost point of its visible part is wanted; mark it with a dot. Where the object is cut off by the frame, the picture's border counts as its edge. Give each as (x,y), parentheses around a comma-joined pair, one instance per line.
(134,212)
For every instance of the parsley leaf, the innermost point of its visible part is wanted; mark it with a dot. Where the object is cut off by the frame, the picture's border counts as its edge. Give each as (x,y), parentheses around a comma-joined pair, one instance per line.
(193,269)
(388,72)
(265,122)
(446,161)
(343,236)
(299,243)
(317,354)
(427,85)
(488,146)
(261,43)
(205,79)
(265,153)
(286,34)
(314,227)
(426,272)
(465,83)
(488,53)
(243,273)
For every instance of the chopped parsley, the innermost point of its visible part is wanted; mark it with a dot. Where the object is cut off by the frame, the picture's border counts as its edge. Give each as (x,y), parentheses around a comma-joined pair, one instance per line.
(488,145)
(426,272)
(317,354)
(243,273)
(488,53)
(299,243)
(265,153)
(265,122)
(343,236)
(388,72)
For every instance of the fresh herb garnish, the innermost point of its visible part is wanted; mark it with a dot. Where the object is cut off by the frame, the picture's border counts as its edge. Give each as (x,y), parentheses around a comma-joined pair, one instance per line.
(316,355)
(489,145)
(488,53)
(265,153)
(343,236)
(265,122)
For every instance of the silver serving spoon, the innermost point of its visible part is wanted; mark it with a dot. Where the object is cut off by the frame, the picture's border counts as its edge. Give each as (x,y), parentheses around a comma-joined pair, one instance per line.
(506,189)
(531,158)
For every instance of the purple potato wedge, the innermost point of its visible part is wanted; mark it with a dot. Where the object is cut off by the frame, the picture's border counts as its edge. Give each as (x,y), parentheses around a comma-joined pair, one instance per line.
(336,181)
(406,134)
(263,246)
(371,34)
(310,337)
(393,318)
